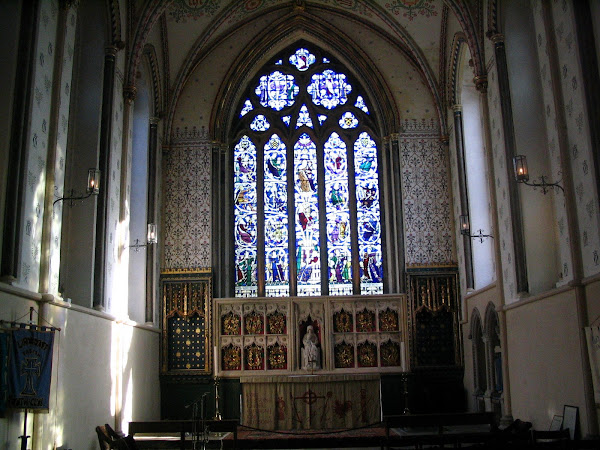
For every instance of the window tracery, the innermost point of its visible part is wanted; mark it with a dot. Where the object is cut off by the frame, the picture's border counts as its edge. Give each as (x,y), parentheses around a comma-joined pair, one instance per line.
(307,218)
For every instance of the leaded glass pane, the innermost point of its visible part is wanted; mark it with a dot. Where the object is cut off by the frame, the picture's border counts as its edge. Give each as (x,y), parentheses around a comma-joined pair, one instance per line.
(329,89)
(245,220)
(277,260)
(302,59)
(260,123)
(277,90)
(247,108)
(338,216)
(307,217)
(360,104)
(368,215)
(304,118)
(348,120)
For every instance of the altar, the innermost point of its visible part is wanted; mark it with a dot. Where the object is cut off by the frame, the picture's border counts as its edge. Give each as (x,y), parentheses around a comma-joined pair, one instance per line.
(315,402)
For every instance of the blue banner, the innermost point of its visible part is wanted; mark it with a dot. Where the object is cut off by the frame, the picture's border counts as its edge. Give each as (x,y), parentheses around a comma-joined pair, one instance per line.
(30,369)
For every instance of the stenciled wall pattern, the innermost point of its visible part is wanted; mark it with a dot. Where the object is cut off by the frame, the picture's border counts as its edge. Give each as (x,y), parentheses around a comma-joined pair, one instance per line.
(113,229)
(61,147)
(38,146)
(578,135)
(552,129)
(460,249)
(426,195)
(186,202)
(501,182)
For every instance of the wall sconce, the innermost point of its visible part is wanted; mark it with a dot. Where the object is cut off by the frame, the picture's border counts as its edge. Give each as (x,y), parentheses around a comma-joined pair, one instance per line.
(151,238)
(522,175)
(93,188)
(465,229)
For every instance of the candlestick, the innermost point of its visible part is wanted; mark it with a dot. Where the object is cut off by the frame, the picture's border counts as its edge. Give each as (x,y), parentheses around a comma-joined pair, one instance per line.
(216,356)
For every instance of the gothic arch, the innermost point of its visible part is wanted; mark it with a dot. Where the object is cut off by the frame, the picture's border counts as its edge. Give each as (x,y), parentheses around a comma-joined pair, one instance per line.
(114,15)
(454,82)
(321,34)
(479,362)
(152,60)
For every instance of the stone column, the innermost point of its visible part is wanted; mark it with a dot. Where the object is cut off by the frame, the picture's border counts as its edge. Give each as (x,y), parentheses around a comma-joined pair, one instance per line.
(387,194)
(463,192)
(17,157)
(44,285)
(151,252)
(99,302)
(481,85)
(510,147)
(398,208)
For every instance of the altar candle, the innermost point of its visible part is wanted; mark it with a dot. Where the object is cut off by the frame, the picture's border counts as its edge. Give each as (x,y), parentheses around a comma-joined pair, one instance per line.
(216,359)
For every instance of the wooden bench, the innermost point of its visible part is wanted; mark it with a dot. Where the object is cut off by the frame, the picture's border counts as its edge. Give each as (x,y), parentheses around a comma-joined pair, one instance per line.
(440,429)
(173,432)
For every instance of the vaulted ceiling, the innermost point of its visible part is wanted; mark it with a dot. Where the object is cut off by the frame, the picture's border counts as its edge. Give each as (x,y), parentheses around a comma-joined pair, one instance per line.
(186,33)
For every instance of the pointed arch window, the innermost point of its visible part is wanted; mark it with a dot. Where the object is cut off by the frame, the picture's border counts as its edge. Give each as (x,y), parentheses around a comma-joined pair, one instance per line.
(306,210)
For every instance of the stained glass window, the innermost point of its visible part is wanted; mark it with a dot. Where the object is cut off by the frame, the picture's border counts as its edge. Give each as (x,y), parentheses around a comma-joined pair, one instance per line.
(348,120)
(304,118)
(244,195)
(260,123)
(246,108)
(276,220)
(368,213)
(307,216)
(329,89)
(276,90)
(360,103)
(302,59)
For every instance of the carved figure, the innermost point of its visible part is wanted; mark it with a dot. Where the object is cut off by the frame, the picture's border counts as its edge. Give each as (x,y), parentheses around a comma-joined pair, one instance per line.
(311,353)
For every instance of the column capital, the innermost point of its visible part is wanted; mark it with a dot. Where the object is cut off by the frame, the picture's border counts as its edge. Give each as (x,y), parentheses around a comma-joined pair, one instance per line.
(68,4)
(497,38)
(395,136)
(110,51)
(445,139)
(481,83)
(129,93)
(457,108)
(154,120)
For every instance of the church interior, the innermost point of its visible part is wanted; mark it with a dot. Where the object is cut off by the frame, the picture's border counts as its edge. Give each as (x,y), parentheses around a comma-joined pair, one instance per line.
(299,214)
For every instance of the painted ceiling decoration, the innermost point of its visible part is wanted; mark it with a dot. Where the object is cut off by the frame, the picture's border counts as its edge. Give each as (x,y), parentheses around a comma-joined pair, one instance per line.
(417,28)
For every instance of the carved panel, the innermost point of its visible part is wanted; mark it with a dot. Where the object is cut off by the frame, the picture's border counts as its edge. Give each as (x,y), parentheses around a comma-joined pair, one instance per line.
(187,303)
(433,317)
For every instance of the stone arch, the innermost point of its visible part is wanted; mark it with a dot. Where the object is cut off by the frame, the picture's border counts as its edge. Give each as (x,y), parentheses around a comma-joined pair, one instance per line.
(321,34)
(157,96)
(456,56)
(491,329)
(477,338)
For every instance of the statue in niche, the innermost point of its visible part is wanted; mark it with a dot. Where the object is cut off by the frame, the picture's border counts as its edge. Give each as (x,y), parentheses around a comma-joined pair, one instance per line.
(311,353)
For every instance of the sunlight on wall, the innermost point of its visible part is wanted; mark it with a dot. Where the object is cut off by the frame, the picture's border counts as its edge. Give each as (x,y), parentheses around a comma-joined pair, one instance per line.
(115,375)
(127,378)
(120,288)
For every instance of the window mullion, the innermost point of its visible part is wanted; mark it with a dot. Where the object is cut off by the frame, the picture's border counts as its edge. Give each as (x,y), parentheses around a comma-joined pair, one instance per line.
(322,218)
(293,269)
(260,216)
(353,220)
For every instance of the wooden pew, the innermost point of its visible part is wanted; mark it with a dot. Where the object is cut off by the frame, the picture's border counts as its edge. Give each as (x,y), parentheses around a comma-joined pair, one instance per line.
(441,429)
(168,428)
